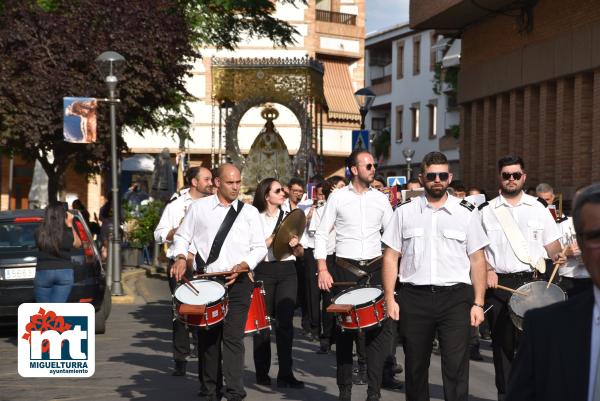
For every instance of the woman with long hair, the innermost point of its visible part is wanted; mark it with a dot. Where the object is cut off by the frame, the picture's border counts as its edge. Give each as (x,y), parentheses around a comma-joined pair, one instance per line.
(55,239)
(280,285)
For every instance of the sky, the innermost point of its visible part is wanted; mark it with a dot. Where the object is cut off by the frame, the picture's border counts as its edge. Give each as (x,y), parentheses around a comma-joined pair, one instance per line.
(385,13)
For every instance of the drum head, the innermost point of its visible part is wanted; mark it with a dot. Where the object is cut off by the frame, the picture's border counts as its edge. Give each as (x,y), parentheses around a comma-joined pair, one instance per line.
(209,292)
(537,296)
(358,296)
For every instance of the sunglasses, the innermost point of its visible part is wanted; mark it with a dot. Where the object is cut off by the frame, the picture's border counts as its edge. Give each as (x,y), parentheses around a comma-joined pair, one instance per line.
(432,176)
(278,190)
(370,166)
(516,176)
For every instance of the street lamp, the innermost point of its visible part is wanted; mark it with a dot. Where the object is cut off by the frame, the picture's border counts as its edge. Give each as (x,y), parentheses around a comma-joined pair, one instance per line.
(108,64)
(365,98)
(408,153)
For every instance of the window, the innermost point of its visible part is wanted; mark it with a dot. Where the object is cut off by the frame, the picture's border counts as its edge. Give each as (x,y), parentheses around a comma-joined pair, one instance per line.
(414,114)
(400,60)
(432,109)
(433,53)
(399,122)
(416,55)
(378,123)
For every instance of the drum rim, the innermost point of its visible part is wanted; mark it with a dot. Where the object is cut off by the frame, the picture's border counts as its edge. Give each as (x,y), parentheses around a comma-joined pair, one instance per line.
(209,304)
(363,305)
(519,318)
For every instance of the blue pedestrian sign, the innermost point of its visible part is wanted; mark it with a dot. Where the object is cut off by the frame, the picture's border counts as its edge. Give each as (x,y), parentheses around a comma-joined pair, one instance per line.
(360,139)
(396,180)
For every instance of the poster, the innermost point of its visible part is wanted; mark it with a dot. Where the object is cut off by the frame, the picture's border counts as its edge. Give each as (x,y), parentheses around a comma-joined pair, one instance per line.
(79,124)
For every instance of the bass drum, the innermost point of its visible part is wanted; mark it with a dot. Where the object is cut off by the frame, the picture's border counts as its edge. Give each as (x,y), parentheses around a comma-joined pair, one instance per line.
(537,296)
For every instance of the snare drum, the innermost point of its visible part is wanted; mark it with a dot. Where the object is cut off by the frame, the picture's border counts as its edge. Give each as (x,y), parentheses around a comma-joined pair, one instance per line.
(205,309)
(257,320)
(359,308)
(536,296)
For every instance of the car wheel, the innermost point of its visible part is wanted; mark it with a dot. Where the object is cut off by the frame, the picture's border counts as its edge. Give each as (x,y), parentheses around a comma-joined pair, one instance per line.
(103,312)
(107,302)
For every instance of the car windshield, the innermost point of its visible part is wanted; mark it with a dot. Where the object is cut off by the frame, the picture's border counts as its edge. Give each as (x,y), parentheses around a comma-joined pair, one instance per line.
(17,235)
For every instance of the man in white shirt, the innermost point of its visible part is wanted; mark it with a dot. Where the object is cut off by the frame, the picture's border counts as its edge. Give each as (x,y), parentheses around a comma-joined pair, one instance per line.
(243,248)
(358,213)
(536,234)
(199,180)
(559,354)
(442,276)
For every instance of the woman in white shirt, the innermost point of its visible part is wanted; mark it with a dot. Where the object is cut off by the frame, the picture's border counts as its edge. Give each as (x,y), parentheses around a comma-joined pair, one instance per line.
(280,284)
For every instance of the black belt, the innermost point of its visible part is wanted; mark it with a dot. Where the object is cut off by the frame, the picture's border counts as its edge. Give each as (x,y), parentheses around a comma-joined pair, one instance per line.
(528,274)
(435,288)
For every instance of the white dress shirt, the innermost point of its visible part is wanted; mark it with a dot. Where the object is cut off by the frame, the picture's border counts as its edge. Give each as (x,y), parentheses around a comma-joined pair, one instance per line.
(245,241)
(171,218)
(595,345)
(534,221)
(314,224)
(435,244)
(358,219)
(574,268)
(268,225)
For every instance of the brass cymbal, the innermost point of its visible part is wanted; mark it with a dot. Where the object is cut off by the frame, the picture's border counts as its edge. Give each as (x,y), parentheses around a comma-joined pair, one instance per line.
(293,224)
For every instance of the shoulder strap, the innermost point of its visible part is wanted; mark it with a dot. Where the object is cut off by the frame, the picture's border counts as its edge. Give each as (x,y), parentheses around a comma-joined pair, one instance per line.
(517,241)
(281,214)
(217,244)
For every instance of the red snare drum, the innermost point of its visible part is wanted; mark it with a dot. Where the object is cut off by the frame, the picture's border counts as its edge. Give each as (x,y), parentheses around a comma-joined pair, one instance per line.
(205,309)
(257,320)
(359,308)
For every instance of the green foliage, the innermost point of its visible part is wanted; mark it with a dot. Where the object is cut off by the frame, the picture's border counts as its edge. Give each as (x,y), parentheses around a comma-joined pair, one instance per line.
(445,75)
(140,223)
(382,143)
(454,131)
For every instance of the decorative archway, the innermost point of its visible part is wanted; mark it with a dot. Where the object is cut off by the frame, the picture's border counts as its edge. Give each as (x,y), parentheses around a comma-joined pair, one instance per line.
(295,83)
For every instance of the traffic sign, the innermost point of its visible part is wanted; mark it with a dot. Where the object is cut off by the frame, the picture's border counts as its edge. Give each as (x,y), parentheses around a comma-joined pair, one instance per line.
(360,139)
(396,180)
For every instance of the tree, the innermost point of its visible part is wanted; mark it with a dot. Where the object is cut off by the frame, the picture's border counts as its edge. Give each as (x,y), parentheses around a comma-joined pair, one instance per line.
(47,52)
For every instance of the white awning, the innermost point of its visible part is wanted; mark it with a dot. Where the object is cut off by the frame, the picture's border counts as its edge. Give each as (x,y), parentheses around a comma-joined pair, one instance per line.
(452,56)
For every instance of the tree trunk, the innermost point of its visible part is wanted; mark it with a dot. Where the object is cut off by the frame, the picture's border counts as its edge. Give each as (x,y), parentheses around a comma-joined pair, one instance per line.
(53,186)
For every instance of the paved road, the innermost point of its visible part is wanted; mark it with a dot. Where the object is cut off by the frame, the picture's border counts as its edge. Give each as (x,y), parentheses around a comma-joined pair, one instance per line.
(133,362)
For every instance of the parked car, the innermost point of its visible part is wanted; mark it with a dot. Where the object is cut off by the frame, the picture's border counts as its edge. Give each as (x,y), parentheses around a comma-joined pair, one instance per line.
(18,259)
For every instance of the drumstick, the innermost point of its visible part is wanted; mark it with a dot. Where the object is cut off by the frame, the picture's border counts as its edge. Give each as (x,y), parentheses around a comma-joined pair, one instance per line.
(556,265)
(217,274)
(511,290)
(343,283)
(190,285)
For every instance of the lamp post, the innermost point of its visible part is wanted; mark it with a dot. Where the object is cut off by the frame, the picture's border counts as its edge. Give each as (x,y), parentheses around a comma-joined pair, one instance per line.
(365,98)
(408,154)
(108,63)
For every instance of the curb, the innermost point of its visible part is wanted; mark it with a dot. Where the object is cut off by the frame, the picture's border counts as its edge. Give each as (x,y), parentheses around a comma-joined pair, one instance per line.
(128,279)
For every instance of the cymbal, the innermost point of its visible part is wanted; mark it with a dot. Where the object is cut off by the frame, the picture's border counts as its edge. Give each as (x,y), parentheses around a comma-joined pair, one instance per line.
(292,225)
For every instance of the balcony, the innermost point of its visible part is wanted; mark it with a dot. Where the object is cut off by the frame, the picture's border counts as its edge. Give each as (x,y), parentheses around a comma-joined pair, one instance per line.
(336,18)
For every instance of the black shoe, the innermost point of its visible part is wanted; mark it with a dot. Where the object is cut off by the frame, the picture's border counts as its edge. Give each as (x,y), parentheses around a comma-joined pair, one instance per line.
(323,349)
(474,354)
(345,393)
(391,384)
(290,381)
(436,347)
(194,353)
(361,378)
(398,369)
(179,368)
(263,380)
(373,398)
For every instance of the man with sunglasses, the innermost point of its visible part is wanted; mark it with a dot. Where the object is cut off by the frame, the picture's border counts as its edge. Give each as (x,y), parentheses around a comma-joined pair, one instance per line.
(440,241)
(538,236)
(359,213)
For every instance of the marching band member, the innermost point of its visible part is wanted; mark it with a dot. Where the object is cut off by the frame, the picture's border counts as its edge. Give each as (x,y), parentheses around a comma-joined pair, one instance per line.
(442,274)
(513,220)
(199,180)
(358,213)
(280,284)
(222,347)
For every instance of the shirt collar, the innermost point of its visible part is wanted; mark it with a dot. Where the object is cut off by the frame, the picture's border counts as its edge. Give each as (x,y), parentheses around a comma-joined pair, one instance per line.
(525,199)
(216,203)
(448,206)
(351,188)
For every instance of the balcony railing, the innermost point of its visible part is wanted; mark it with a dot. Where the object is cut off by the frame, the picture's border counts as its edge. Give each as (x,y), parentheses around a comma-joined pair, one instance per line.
(337,18)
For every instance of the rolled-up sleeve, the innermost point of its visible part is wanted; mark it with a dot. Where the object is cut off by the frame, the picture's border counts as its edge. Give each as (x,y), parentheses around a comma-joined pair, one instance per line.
(258,248)
(185,233)
(325,227)
(476,237)
(392,235)
(164,226)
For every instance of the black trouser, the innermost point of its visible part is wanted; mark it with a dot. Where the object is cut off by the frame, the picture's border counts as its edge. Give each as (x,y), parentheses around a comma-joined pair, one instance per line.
(504,334)
(280,285)
(574,286)
(225,342)
(377,340)
(301,298)
(312,292)
(428,310)
(181,332)
(327,319)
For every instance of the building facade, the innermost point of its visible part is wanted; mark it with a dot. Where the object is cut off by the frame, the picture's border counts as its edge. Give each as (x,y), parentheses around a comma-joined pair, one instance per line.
(529,84)
(416,112)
